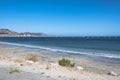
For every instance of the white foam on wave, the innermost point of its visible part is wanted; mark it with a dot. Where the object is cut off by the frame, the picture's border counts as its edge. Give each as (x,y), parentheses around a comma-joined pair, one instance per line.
(63,51)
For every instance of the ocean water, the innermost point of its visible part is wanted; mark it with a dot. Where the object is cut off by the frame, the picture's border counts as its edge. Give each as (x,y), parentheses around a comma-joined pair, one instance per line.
(104,49)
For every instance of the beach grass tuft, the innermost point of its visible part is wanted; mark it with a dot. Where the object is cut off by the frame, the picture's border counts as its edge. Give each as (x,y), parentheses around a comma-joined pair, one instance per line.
(48,67)
(14,69)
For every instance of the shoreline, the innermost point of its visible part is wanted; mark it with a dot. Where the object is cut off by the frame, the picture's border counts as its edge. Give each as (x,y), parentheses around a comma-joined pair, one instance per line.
(90,66)
(109,58)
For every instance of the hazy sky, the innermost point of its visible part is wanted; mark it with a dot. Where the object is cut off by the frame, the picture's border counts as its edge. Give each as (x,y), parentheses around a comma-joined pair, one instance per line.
(62,17)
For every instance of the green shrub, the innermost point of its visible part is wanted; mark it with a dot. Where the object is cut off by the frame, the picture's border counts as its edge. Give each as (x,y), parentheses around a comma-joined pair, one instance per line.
(66,62)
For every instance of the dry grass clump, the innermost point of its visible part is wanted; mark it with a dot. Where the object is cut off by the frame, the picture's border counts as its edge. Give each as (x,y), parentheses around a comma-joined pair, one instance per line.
(18,60)
(32,57)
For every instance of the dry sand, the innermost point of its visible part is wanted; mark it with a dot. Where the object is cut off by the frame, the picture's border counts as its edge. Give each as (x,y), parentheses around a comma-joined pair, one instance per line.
(48,69)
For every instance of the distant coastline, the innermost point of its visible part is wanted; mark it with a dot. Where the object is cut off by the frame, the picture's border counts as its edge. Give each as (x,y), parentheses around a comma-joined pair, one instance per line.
(10,33)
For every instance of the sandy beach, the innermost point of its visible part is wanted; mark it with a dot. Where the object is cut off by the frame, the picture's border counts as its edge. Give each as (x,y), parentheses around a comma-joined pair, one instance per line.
(47,68)
(59,39)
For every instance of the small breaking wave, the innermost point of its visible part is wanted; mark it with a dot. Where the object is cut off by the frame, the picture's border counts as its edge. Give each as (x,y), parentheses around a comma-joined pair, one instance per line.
(62,51)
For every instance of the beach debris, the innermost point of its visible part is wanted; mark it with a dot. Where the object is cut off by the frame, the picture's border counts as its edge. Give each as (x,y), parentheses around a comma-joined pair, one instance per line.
(21,64)
(54,64)
(79,68)
(112,73)
(37,63)
(73,79)
(59,76)
(48,76)
(29,62)
(42,72)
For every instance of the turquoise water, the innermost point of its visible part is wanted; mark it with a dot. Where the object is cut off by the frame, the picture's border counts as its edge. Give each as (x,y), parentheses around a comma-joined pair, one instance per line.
(102,48)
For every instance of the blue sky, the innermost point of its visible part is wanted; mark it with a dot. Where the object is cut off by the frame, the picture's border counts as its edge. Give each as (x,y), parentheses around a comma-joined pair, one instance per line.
(62,17)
